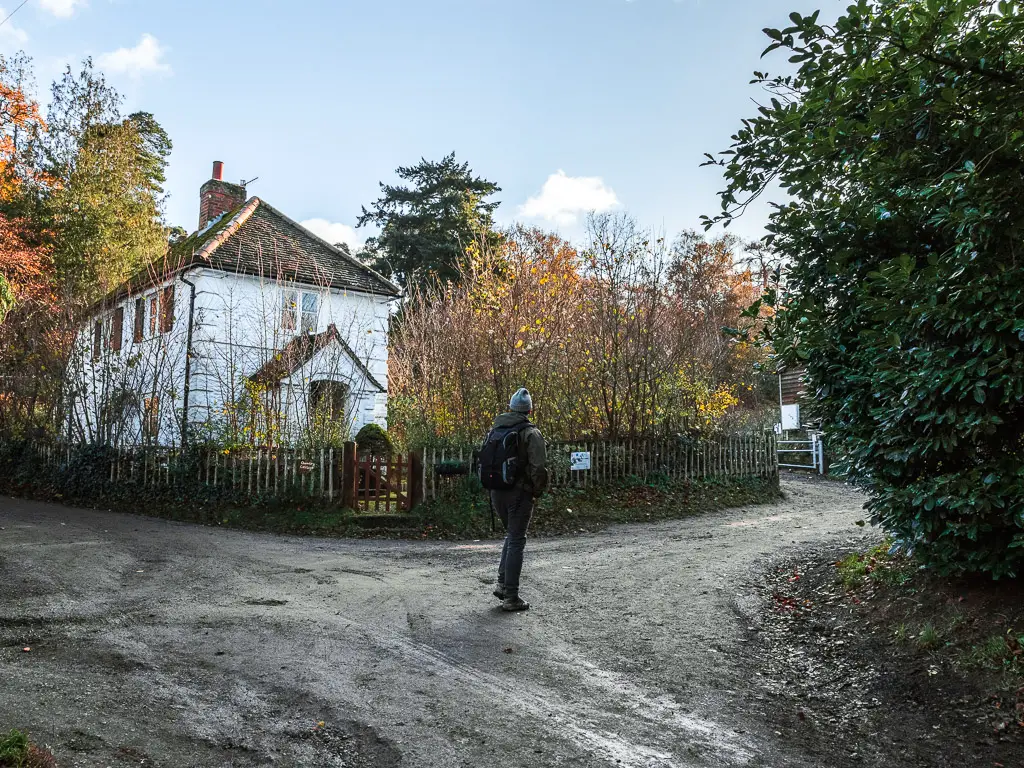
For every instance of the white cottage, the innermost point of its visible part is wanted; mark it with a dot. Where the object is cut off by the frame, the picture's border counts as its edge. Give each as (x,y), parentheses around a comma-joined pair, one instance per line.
(252,330)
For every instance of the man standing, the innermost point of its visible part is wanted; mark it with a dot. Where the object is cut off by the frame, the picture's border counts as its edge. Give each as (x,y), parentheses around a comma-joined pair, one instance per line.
(513,468)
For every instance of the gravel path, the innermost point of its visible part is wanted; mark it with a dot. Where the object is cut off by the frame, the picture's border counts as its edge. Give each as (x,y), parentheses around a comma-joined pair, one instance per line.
(166,644)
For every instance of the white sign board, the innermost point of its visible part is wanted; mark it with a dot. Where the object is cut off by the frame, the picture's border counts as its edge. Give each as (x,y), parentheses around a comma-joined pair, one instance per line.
(579,460)
(791,417)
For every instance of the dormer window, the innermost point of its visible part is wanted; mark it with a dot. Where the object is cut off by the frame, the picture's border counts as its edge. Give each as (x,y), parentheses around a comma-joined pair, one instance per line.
(299,309)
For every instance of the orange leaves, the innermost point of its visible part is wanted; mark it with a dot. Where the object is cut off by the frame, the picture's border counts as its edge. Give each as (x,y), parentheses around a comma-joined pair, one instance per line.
(606,342)
(19,120)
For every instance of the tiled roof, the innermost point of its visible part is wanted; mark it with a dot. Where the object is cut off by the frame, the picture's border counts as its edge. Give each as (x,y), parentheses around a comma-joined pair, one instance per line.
(300,351)
(267,243)
(257,239)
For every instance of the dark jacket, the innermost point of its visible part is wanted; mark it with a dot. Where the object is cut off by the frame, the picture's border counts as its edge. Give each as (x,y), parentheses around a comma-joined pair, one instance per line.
(533,452)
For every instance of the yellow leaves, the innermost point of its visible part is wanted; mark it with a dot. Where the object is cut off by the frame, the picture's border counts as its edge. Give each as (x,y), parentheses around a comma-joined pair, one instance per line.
(529,313)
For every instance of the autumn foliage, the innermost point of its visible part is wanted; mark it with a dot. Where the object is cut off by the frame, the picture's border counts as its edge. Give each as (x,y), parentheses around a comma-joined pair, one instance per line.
(80,210)
(622,337)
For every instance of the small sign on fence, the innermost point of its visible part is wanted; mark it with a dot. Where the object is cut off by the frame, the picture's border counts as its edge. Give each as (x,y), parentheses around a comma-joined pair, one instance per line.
(579,460)
(305,467)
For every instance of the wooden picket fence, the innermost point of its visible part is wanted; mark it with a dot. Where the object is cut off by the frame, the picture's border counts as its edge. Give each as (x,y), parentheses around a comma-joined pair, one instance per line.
(611,461)
(251,471)
(383,484)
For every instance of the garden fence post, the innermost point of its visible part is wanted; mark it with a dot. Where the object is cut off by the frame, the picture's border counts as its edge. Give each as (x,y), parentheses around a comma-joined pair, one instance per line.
(349,475)
(415,478)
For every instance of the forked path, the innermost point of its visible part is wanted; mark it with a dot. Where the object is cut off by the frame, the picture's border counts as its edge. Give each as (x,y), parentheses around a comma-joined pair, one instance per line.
(174,645)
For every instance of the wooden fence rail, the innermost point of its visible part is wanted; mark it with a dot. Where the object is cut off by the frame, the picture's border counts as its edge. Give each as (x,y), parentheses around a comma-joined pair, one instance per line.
(313,473)
(387,484)
(610,461)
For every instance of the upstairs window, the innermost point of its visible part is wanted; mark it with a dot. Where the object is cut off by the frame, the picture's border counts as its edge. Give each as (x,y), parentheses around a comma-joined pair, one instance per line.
(115,332)
(299,310)
(310,312)
(139,331)
(289,309)
(107,333)
(154,314)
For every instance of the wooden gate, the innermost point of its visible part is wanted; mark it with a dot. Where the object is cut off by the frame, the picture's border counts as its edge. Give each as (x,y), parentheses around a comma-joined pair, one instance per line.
(384,483)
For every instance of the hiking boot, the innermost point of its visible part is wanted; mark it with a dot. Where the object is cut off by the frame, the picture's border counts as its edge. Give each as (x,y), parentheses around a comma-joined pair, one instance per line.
(499,592)
(514,604)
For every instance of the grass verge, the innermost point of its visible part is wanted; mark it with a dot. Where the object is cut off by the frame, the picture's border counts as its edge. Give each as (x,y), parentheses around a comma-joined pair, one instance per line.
(973,623)
(462,509)
(16,751)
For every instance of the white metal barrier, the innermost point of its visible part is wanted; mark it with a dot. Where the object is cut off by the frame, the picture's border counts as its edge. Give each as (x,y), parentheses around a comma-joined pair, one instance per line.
(813,448)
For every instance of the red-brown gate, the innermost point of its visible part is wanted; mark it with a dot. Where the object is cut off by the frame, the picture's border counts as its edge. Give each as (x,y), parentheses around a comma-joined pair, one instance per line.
(384,483)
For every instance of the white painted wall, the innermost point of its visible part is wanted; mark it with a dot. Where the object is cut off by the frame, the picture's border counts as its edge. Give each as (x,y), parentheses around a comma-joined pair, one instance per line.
(237,328)
(107,397)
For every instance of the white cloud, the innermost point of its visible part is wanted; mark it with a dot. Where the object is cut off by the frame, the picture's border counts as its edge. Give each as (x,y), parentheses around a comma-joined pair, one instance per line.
(334,232)
(145,58)
(11,37)
(563,198)
(61,8)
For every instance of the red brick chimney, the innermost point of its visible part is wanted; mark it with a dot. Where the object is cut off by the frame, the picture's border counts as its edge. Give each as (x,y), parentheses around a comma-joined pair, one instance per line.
(217,196)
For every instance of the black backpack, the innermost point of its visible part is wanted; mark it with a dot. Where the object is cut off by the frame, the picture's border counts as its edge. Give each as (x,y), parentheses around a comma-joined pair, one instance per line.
(500,462)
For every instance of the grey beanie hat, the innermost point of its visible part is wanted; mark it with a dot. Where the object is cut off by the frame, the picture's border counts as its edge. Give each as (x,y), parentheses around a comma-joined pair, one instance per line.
(521,401)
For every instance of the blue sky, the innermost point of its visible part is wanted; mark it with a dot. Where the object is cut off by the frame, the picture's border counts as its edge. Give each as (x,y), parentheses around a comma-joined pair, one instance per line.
(566,104)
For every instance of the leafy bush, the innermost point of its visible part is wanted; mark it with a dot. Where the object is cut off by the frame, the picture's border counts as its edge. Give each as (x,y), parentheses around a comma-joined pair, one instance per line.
(373,438)
(899,143)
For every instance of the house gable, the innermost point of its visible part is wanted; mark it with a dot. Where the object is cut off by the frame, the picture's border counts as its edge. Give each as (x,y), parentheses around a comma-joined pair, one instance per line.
(303,353)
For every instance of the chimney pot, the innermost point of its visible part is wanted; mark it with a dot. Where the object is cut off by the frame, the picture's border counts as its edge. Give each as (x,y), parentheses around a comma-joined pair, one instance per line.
(217,197)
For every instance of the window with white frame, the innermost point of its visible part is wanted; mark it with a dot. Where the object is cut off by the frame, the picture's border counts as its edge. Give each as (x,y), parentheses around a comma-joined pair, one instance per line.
(154,314)
(153,301)
(310,312)
(289,309)
(299,310)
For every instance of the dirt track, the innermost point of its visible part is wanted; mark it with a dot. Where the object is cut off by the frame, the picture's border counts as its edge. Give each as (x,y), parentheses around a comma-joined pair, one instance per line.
(165,644)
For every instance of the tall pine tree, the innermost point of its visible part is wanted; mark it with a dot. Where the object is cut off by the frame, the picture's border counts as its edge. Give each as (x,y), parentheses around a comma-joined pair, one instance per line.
(427,225)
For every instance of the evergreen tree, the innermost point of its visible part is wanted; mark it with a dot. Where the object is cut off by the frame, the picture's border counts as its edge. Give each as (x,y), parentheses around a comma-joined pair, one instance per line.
(427,225)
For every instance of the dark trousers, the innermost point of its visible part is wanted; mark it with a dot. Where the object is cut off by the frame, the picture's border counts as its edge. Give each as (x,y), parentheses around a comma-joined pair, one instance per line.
(515,508)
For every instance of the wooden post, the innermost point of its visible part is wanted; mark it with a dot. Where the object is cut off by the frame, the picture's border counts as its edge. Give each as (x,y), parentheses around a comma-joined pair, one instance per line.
(330,474)
(414,495)
(349,476)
